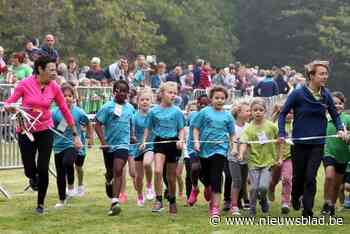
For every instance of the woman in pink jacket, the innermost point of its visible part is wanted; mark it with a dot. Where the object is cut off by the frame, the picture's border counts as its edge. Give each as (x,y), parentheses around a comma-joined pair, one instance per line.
(37,93)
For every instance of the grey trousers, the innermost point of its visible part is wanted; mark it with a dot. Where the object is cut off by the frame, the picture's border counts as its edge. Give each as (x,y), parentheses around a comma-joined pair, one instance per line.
(259,179)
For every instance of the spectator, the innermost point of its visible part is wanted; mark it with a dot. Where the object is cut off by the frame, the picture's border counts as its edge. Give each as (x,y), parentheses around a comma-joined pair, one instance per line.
(3,66)
(62,73)
(204,81)
(141,77)
(117,70)
(73,70)
(230,78)
(282,84)
(18,69)
(197,73)
(175,75)
(32,50)
(95,73)
(219,78)
(48,48)
(155,79)
(162,72)
(267,87)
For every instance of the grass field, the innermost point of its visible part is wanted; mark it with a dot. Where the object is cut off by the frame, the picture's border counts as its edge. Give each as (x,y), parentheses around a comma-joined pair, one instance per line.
(88,214)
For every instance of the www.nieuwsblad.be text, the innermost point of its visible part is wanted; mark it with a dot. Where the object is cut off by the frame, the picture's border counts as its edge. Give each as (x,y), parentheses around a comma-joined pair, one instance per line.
(276,221)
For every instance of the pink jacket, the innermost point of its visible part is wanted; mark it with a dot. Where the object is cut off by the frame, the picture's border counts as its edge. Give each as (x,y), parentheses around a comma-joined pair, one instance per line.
(34,101)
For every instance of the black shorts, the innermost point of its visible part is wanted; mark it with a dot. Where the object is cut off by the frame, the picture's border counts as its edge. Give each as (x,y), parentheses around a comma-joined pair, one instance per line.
(79,161)
(171,152)
(347,177)
(139,158)
(340,168)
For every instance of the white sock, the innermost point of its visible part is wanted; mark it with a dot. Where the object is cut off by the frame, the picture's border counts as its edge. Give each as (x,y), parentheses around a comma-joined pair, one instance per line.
(114,200)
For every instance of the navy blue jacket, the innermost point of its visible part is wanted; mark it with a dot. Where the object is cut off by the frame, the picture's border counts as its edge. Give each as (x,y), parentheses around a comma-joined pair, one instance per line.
(266,88)
(309,115)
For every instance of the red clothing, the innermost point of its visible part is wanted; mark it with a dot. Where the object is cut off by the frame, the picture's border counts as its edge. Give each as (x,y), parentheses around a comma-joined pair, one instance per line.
(34,101)
(204,81)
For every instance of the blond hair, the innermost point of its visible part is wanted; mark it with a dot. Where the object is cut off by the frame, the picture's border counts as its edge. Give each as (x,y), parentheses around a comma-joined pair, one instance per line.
(167,85)
(258,101)
(145,92)
(237,108)
(277,108)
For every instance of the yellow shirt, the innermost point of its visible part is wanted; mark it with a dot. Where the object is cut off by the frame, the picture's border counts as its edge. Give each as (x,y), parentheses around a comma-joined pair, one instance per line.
(316,94)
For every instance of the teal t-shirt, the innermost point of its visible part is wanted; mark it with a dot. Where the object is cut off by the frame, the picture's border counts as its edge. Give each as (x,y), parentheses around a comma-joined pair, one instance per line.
(165,122)
(214,125)
(117,120)
(62,143)
(191,117)
(335,147)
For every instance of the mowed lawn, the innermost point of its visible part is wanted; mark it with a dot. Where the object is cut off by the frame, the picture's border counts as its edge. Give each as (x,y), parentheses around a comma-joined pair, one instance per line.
(89,214)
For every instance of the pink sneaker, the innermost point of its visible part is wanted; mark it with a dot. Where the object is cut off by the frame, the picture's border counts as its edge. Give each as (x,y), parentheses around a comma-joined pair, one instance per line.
(123,198)
(214,211)
(193,196)
(207,193)
(140,201)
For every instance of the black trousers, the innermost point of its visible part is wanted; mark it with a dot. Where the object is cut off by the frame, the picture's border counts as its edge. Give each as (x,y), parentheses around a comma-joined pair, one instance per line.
(306,161)
(64,162)
(211,171)
(228,182)
(188,179)
(37,167)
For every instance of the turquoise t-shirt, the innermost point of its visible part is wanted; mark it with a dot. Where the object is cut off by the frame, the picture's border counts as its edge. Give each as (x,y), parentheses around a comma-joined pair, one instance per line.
(165,122)
(191,117)
(60,143)
(214,126)
(117,120)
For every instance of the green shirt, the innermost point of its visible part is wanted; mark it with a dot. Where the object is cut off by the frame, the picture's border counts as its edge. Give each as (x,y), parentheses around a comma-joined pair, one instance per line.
(263,154)
(22,71)
(317,94)
(336,148)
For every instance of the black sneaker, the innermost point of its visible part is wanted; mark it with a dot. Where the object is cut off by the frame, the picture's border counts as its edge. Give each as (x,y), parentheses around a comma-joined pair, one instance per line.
(157,206)
(285,210)
(39,210)
(109,189)
(325,209)
(296,203)
(307,213)
(246,205)
(34,183)
(115,209)
(264,205)
(166,194)
(240,206)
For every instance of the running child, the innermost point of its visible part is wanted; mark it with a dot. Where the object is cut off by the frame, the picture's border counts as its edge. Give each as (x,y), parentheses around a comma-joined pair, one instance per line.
(239,169)
(116,118)
(262,154)
(213,123)
(202,102)
(336,157)
(143,159)
(166,122)
(283,169)
(65,153)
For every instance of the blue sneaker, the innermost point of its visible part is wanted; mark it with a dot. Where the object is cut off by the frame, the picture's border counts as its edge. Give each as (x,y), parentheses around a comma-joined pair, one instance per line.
(347,203)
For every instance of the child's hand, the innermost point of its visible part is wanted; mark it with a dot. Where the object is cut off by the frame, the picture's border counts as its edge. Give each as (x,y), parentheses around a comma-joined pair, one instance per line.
(142,147)
(280,162)
(197,146)
(133,140)
(179,145)
(239,157)
(77,143)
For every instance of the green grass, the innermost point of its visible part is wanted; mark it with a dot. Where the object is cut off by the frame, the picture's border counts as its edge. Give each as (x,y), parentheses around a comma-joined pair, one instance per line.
(88,214)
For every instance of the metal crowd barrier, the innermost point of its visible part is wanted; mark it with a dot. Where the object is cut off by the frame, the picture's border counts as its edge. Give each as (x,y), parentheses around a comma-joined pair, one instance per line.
(10,157)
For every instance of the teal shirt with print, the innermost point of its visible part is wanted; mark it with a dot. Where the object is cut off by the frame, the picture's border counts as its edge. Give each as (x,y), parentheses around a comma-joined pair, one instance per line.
(62,143)
(117,126)
(214,125)
(165,122)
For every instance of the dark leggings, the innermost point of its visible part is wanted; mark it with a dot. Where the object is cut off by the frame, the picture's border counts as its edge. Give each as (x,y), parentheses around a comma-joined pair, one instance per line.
(211,171)
(37,167)
(243,193)
(64,162)
(188,176)
(306,161)
(228,182)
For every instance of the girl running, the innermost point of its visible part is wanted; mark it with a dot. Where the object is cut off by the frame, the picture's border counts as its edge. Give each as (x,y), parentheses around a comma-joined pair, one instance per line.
(284,167)
(213,123)
(166,122)
(143,159)
(336,157)
(262,155)
(116,117)
(65,153)
(239,169)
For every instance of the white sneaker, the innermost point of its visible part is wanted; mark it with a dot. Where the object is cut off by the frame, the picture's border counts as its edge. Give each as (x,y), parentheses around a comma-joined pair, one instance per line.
(141,202)
(59,205)
(150,195)
(80,192)
(70,193)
